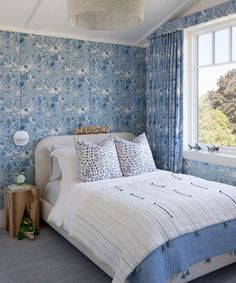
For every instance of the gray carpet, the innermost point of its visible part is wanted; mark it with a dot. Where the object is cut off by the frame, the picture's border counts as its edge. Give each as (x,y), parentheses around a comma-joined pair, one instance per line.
(51,259)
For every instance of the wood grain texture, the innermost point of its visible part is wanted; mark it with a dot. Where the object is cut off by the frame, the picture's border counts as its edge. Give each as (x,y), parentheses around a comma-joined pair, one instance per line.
(1,218)
(18,204)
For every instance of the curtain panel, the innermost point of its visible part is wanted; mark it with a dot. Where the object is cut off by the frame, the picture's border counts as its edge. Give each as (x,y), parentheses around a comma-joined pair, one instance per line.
(165,100)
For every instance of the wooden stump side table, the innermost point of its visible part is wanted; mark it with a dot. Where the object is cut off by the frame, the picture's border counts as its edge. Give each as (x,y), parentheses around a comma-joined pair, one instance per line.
(17,203)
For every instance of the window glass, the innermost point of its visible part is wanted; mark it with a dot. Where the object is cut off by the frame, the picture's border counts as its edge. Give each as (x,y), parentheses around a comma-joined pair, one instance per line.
(222,46)
(205,49)
(215,76)
(217,105)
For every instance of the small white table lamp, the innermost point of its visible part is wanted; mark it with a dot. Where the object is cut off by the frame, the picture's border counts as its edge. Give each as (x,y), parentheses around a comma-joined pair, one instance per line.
(21,138)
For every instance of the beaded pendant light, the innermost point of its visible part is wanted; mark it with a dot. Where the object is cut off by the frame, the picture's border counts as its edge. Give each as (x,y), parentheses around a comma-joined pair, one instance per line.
(105,14)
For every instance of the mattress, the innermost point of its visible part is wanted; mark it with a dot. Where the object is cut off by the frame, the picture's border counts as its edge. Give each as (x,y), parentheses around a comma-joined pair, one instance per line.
(52,191)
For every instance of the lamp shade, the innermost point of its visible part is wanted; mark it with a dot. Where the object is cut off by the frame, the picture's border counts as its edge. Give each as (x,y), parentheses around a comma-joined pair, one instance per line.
(21,138)
(105,14)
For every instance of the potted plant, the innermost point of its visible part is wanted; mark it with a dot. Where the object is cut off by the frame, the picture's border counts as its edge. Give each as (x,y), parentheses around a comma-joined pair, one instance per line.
(27,230)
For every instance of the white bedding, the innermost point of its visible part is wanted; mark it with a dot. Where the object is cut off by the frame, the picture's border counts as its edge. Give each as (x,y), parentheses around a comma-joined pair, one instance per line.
(52,190)
(73,195)
(185,205)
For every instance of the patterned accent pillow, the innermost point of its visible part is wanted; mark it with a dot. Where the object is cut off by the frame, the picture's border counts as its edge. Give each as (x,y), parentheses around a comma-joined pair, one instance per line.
(97,161)
(135,157)
(146,152)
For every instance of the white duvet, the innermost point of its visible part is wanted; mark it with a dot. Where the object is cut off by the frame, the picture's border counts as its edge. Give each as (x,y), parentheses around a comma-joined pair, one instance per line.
(123,220)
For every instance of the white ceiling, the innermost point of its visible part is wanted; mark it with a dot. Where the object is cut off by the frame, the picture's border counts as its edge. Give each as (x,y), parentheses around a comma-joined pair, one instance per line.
(49,17)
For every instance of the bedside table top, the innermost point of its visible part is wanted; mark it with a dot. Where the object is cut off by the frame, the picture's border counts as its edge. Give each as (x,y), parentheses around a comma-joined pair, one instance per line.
(20,188)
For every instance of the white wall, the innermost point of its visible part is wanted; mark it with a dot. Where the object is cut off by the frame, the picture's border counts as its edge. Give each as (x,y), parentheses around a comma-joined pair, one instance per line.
(203,4)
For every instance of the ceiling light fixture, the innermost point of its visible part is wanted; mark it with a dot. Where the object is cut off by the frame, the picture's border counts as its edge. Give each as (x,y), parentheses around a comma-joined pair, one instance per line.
(105,14)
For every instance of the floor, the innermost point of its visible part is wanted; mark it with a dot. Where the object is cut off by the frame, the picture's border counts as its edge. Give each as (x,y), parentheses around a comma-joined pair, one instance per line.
(51,259)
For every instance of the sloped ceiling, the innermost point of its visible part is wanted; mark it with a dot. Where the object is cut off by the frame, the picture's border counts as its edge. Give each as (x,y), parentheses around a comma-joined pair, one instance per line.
(49,17)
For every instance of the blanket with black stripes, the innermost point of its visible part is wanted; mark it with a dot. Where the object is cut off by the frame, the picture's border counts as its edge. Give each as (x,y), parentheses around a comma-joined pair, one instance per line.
(123,223)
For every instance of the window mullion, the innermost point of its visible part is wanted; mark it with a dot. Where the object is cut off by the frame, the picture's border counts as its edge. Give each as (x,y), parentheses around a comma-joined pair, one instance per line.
(195,92)
(213,49)
(231,44)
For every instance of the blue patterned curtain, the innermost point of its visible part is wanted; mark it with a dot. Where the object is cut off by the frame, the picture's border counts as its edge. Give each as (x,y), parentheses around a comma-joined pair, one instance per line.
(165,100)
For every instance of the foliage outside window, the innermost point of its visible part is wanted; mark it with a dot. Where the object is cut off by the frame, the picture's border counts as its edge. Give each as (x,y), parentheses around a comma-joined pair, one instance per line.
(217,112)
(216,73)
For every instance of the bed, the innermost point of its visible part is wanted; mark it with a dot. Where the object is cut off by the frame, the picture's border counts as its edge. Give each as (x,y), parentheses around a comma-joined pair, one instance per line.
(42,161)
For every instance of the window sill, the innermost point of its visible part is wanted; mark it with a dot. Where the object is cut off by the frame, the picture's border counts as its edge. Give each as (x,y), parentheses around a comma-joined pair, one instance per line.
(221,158)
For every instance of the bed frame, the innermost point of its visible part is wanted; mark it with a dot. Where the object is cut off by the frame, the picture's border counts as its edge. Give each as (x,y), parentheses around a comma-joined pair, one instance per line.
(42,162)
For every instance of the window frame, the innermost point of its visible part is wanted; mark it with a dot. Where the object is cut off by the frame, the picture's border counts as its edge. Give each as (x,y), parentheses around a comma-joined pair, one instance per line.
(191,68)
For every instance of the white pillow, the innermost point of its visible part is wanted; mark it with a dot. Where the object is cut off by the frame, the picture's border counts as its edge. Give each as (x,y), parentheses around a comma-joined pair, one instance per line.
(135,157)
(97,161)
(54,169)
(67,160)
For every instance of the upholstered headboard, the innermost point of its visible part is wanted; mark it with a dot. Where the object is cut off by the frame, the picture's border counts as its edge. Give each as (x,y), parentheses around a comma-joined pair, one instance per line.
(42,160)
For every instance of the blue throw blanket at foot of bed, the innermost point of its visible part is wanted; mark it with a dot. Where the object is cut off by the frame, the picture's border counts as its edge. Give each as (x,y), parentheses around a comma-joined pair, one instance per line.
(179,254)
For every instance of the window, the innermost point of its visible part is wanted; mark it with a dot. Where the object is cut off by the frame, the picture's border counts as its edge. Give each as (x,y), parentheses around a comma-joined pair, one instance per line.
(210,85)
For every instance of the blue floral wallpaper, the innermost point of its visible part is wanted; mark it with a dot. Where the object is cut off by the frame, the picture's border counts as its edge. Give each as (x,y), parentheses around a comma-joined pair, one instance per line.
(200,17)
(212,172)
(200,169)
(49,86)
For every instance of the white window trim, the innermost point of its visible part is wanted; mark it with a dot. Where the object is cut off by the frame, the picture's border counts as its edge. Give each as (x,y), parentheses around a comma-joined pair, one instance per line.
(227,155)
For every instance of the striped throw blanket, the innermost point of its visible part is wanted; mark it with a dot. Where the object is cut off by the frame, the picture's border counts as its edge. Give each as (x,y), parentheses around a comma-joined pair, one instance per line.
(123,224)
